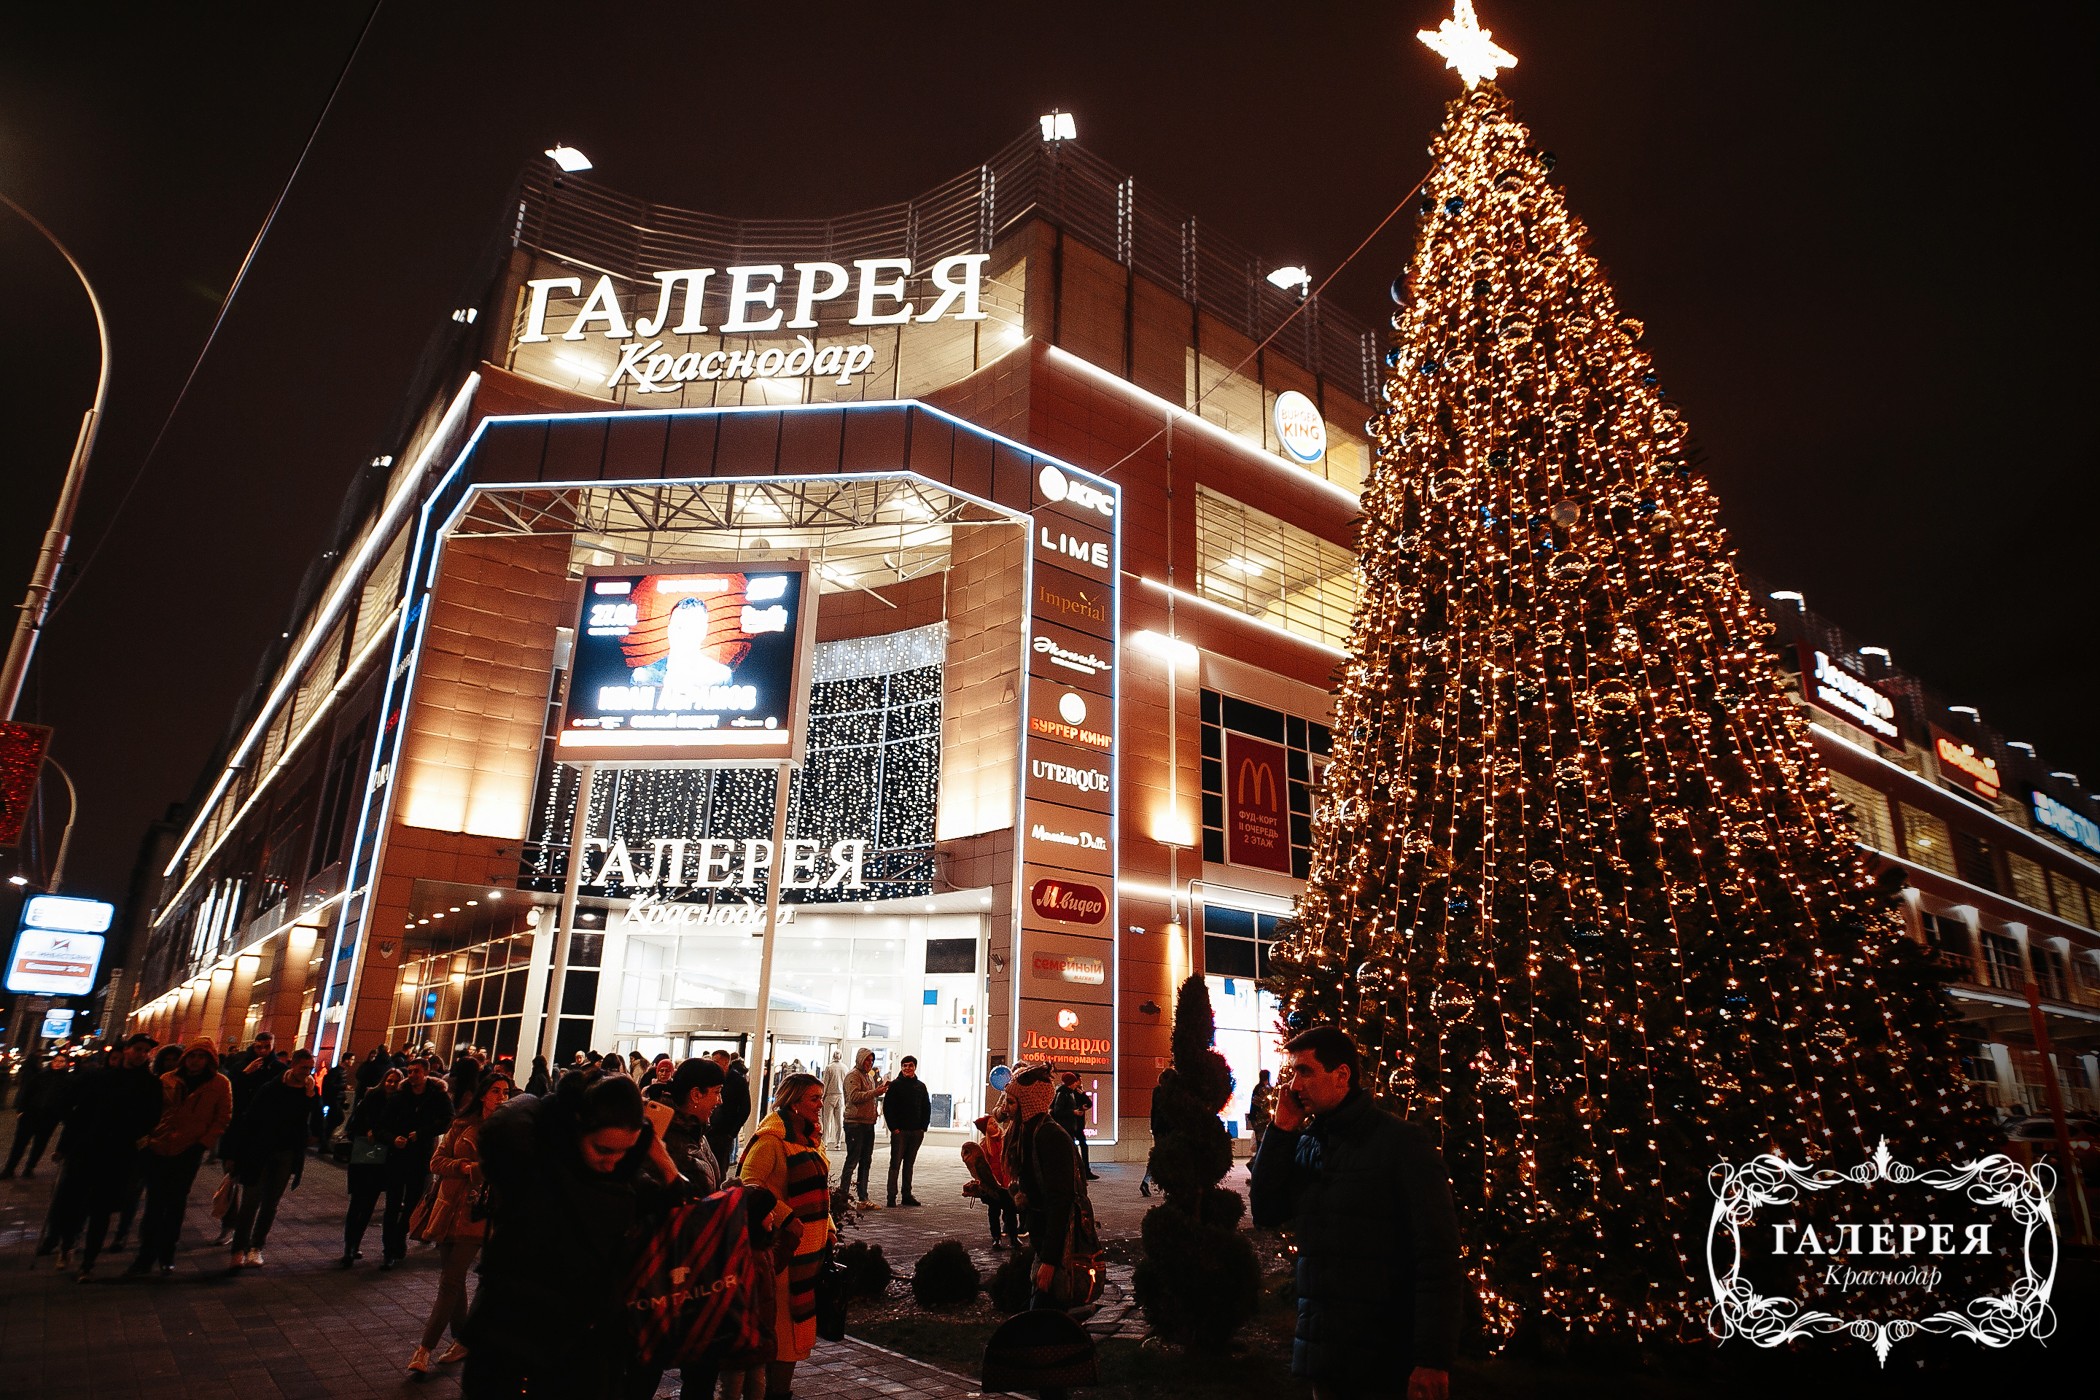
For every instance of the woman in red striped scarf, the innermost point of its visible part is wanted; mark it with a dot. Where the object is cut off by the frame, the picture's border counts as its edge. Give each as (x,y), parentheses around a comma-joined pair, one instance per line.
(786,1156)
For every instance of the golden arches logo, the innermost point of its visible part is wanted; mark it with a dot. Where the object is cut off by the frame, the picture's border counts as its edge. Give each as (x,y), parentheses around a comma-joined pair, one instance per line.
(1263,778)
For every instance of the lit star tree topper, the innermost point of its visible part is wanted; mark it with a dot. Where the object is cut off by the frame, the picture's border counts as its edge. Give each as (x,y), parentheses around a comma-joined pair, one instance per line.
(1466,47)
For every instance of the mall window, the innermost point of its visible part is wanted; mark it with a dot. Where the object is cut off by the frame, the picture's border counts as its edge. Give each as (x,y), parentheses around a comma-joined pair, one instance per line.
(1948,937)
(871,773)
(1925,840)
(2070,899)
(1236,942)
(1288,577)
(1868,807)
(2029,885)
(1974,861)
(2085,977)
(1304,746)
(2002,964)
(2050,972)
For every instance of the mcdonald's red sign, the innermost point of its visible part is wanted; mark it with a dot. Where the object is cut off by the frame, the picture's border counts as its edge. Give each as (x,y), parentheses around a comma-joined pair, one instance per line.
(1257,804)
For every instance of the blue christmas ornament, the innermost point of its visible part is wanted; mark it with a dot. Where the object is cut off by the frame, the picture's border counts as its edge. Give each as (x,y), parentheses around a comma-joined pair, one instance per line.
(1453,205)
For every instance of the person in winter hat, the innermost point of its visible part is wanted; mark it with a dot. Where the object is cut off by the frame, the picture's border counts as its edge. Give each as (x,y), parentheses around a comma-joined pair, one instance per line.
(196,1106)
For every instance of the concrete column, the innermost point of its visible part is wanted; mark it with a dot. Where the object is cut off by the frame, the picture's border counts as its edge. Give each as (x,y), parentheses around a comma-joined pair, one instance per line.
(536,973)
(211,1020)
(294,975)
(240,994)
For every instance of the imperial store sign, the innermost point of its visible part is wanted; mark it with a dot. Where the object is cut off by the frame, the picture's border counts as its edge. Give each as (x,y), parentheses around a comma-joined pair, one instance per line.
(753,299)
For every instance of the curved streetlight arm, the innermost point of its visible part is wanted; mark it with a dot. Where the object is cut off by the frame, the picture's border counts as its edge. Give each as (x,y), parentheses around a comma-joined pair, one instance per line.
(65,837)
(37,602)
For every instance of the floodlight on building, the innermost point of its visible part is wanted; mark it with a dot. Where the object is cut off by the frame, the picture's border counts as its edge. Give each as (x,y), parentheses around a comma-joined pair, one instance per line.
(1292,279)
(1058,126)
(1969,710)
(1882,652)
(1788,595)
(2022,745)
(1169,649)
(569,159)
(2071,778)
(18,879)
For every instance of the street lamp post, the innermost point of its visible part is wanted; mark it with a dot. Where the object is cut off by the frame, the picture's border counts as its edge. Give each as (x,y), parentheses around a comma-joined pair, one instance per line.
(44,578)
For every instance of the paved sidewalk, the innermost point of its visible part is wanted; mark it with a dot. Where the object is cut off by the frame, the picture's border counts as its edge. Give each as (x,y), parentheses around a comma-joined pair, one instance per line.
(303,1329)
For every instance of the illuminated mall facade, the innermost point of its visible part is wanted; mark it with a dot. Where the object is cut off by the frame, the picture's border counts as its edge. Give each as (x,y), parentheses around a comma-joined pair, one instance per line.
(1070,484)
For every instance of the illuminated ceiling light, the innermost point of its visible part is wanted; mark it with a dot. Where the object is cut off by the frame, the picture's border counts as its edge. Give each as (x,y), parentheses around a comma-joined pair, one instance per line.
(1242,564)
(18,879)
(1969,710)
(2022,745)
(1882,652)
(1291,279)
(495,894)
(569,159)
(1788,595)
(1058,126)
(1465,47)
(455,908)
(2067,777)
(1169,649)
(465,315)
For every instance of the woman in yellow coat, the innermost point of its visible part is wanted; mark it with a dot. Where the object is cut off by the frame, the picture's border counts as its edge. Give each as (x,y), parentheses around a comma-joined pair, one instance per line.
(786,1157)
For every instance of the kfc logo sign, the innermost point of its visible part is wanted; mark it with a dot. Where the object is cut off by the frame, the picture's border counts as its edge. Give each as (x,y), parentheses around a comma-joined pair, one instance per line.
(1068,901)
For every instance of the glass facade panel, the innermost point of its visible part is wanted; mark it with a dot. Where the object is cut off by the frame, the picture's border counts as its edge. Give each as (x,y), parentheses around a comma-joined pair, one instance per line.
(1926,840)
(1259,565)
(1869,809)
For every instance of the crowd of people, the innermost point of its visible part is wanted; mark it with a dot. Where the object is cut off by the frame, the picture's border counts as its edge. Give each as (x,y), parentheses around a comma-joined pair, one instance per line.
(570,1194)
(554,1190)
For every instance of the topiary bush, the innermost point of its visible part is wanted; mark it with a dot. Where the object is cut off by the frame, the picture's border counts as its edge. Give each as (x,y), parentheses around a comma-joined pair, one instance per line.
(944,1277)
(1012,1282)
(867,1271)
(1199,1279)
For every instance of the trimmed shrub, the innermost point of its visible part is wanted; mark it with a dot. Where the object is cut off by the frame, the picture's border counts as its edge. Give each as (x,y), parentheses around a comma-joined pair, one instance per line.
(1012,1283)
(944,1277)
(867,1271)
(1199,1279)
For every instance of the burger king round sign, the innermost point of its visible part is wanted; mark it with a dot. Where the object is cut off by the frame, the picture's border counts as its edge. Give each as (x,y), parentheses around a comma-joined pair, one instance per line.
(1299,428)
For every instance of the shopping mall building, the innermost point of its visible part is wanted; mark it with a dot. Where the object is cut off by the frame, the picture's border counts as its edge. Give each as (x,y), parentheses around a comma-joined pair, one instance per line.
(1015,522)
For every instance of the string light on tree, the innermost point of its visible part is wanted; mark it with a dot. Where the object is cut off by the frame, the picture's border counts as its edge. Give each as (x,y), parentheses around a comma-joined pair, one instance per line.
(1579,883)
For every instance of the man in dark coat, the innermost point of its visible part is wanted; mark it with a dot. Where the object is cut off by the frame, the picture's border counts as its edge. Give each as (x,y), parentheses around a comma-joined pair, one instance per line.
(1370,1203)
(106,1126)
(733,1114)
(266,1153)
(414,1118)
(40,1103)
(907,1110)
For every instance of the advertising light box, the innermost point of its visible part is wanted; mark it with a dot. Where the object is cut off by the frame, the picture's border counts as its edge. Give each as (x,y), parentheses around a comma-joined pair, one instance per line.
(58,948)
(701,666)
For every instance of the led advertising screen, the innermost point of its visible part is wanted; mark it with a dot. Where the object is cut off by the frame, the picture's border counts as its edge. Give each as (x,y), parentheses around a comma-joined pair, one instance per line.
(698,666)
(58,948)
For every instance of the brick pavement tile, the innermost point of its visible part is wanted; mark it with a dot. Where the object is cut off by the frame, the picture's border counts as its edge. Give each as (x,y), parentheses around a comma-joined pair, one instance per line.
(302,1328)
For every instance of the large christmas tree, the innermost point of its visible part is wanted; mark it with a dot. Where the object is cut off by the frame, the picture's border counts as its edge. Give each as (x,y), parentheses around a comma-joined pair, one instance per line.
(1579,883)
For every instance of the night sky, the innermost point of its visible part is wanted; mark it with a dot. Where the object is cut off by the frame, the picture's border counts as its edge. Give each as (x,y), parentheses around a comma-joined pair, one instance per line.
(1851,231)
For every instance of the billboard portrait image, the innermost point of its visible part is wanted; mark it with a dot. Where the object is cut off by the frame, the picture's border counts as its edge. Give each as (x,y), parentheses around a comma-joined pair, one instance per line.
(697,666)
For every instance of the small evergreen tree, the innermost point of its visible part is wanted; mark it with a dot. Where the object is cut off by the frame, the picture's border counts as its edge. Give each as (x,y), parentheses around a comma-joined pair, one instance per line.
(1199,1278)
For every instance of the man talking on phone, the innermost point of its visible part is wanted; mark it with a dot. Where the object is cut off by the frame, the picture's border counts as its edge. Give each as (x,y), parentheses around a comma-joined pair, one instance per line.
(1370,1203)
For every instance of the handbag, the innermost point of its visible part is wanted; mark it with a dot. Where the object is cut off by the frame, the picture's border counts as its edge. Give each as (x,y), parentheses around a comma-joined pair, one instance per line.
(420,1221)
(1081,1277)
(831,1298)
(222,1199)
(367,1152)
